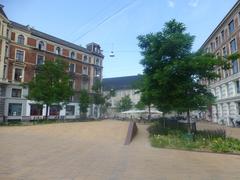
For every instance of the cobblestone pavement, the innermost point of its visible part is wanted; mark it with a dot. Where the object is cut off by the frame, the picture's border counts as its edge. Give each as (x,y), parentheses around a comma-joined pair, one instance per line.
(95,150)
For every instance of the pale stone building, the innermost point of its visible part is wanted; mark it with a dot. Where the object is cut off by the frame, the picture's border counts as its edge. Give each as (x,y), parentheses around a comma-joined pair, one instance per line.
(225,40)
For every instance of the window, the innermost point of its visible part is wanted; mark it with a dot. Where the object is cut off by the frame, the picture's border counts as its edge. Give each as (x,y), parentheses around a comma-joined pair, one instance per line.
(41,45)
(231,27)
(6,51)
(72,68)
(72,55)
(237,86)
(40,59)
(97,72)
(18,75)
(15,109)
(4,71)
(19,55)
(233,46)
(85,59)
(7,33)
(58,50)
(16,93)
(222,35)
(36,110)
(212,46)
(234,66)
(54,110)
(224,52)
(85,70)
(71,84)
(217,42)
(20,39)
(70,110)
(97,62)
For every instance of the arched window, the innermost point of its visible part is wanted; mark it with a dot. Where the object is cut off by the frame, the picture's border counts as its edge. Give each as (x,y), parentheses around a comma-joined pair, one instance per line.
(41,45)
(58,50)
(72,55)
(20,39)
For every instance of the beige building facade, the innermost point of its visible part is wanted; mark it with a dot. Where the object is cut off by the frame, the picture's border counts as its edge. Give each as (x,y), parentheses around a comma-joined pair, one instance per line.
(224,41)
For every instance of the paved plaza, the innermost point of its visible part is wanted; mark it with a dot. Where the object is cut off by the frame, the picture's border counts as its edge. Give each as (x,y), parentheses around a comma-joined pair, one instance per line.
(95,150)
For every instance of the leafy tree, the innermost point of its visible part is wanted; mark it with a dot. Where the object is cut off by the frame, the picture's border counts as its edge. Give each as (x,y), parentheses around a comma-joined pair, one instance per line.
(51,84)
(124,104)
(173,72)
(140,105)
(84,101)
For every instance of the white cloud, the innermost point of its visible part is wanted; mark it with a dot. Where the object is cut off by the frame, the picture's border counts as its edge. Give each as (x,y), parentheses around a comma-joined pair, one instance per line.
(193,3)
(171,3)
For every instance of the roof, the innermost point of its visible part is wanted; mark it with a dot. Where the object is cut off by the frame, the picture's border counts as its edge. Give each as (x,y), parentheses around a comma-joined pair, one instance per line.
(220,24)
(2,11)
(118,83)
(49,37)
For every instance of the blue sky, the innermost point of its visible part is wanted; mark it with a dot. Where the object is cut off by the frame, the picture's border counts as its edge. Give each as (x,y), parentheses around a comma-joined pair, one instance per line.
(115,24)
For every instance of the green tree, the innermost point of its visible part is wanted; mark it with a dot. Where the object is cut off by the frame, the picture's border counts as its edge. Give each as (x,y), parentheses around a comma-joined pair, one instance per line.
(140,105)
(84,102)
(173,72)
(124,104)
(51,84)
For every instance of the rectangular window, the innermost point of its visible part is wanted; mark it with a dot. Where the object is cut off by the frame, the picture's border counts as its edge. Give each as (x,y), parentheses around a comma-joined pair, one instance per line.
(6,51)
(4,71)
(71,84)
(36,110)
(222,35)
(238,106)
(234,66)
(217,42)
(71,68)
(212,46)
(85,70)
(70,110)
(40,59)
(15,109)
(18,75)
(16,93)
(54,110)
(238,86)
(224,52)
(231,27)
(233,46)
(19,55)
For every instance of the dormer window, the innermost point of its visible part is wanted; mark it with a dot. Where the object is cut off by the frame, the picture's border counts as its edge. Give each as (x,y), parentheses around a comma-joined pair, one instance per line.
(58,50)
(85,59)
(41,45)
(20,39)
(72,55)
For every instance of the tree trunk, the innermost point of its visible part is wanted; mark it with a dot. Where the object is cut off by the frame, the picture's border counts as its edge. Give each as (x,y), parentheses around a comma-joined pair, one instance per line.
(188,121)
(149,112)
(46,114)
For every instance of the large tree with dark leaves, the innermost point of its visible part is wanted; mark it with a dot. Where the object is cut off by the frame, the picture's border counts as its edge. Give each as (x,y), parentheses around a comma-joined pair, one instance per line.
(174,72)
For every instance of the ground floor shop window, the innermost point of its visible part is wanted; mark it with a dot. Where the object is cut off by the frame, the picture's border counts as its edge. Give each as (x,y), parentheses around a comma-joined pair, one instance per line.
(36,110)
(54,110)
(15,109)
(70,110)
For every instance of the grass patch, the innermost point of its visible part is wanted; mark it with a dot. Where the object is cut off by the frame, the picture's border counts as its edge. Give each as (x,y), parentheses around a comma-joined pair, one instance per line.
(205,140)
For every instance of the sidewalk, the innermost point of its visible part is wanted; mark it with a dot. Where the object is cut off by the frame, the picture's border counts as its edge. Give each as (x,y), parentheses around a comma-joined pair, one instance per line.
(95,151)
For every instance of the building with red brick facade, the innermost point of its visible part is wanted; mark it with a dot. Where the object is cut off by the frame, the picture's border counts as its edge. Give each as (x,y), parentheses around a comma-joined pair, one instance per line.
(22,49)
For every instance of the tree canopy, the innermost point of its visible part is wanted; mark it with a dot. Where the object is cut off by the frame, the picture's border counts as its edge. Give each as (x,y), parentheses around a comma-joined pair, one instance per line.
(124,104)
(51,84)
(173,72)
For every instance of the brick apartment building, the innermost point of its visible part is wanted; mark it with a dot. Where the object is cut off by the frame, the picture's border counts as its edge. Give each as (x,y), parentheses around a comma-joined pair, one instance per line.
(223,41)
(22,49)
